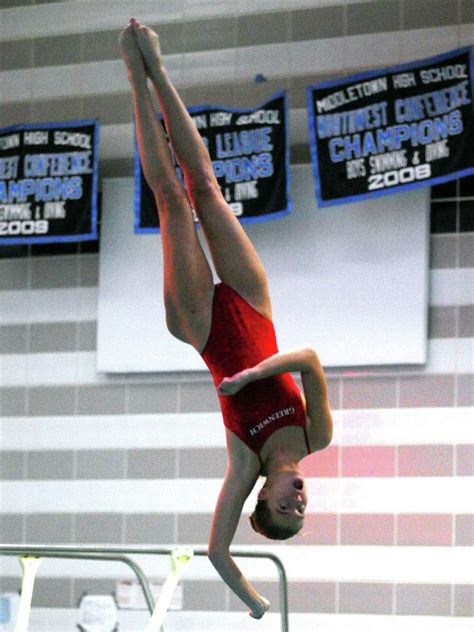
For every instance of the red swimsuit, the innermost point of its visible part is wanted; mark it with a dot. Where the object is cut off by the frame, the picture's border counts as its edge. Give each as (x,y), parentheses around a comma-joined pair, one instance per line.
(240,338)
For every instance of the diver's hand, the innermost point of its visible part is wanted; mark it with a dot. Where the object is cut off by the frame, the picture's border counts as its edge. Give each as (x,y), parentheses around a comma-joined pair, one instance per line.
(232,385)
(259,611)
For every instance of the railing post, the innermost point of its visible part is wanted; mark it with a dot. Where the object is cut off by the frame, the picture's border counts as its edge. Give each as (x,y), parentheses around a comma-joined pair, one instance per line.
(29,566)
(283,585)
(178,560)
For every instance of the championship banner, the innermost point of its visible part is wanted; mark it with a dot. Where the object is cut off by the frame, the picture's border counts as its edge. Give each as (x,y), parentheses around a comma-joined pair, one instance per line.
(48,182)
(392,129)
(250,156)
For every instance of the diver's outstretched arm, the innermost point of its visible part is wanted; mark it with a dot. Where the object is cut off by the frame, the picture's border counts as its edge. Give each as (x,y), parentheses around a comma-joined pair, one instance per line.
(226,518)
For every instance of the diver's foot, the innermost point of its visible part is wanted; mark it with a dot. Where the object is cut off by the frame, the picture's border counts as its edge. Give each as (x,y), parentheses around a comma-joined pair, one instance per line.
(130,51)
(149,45)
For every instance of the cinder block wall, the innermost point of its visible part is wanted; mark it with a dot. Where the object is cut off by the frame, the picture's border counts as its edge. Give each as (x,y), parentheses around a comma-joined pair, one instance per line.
(84,457)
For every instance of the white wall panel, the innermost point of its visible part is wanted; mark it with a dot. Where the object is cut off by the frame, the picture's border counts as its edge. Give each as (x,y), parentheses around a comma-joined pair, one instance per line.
(452,287)
(382,47)
(466,34)
(362,495)
(89,15)
(358,273)
(420,43)
(412,426)
(416,426)
(48,306)
(13,370)
(57,620)
(455,355)
(310,57)
(116,141)
(437,565)
(448,287)
(116,431)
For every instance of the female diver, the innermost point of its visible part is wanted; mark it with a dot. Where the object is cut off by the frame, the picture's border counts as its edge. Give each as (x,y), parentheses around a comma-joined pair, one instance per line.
(270,425)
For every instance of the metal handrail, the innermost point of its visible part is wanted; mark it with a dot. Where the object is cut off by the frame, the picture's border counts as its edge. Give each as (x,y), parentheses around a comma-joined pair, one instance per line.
(119,554)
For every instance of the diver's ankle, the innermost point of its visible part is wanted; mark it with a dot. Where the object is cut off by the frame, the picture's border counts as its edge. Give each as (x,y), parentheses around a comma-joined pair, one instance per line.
(157,72)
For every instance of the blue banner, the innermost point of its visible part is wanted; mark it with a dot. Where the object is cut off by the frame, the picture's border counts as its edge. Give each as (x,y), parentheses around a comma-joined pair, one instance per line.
(392,129)
(48,182)
(250,157)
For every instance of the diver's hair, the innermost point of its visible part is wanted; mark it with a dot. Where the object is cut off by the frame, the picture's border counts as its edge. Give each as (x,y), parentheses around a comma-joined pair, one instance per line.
(261,521)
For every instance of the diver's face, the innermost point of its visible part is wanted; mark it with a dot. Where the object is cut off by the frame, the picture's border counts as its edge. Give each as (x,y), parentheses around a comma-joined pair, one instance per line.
(286,498)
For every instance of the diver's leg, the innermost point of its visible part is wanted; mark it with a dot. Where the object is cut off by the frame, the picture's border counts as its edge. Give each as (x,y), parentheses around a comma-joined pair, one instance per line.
(188,283)
(236,260)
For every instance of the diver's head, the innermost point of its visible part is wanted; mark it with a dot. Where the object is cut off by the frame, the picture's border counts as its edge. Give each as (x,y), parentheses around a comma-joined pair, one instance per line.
(280,510)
